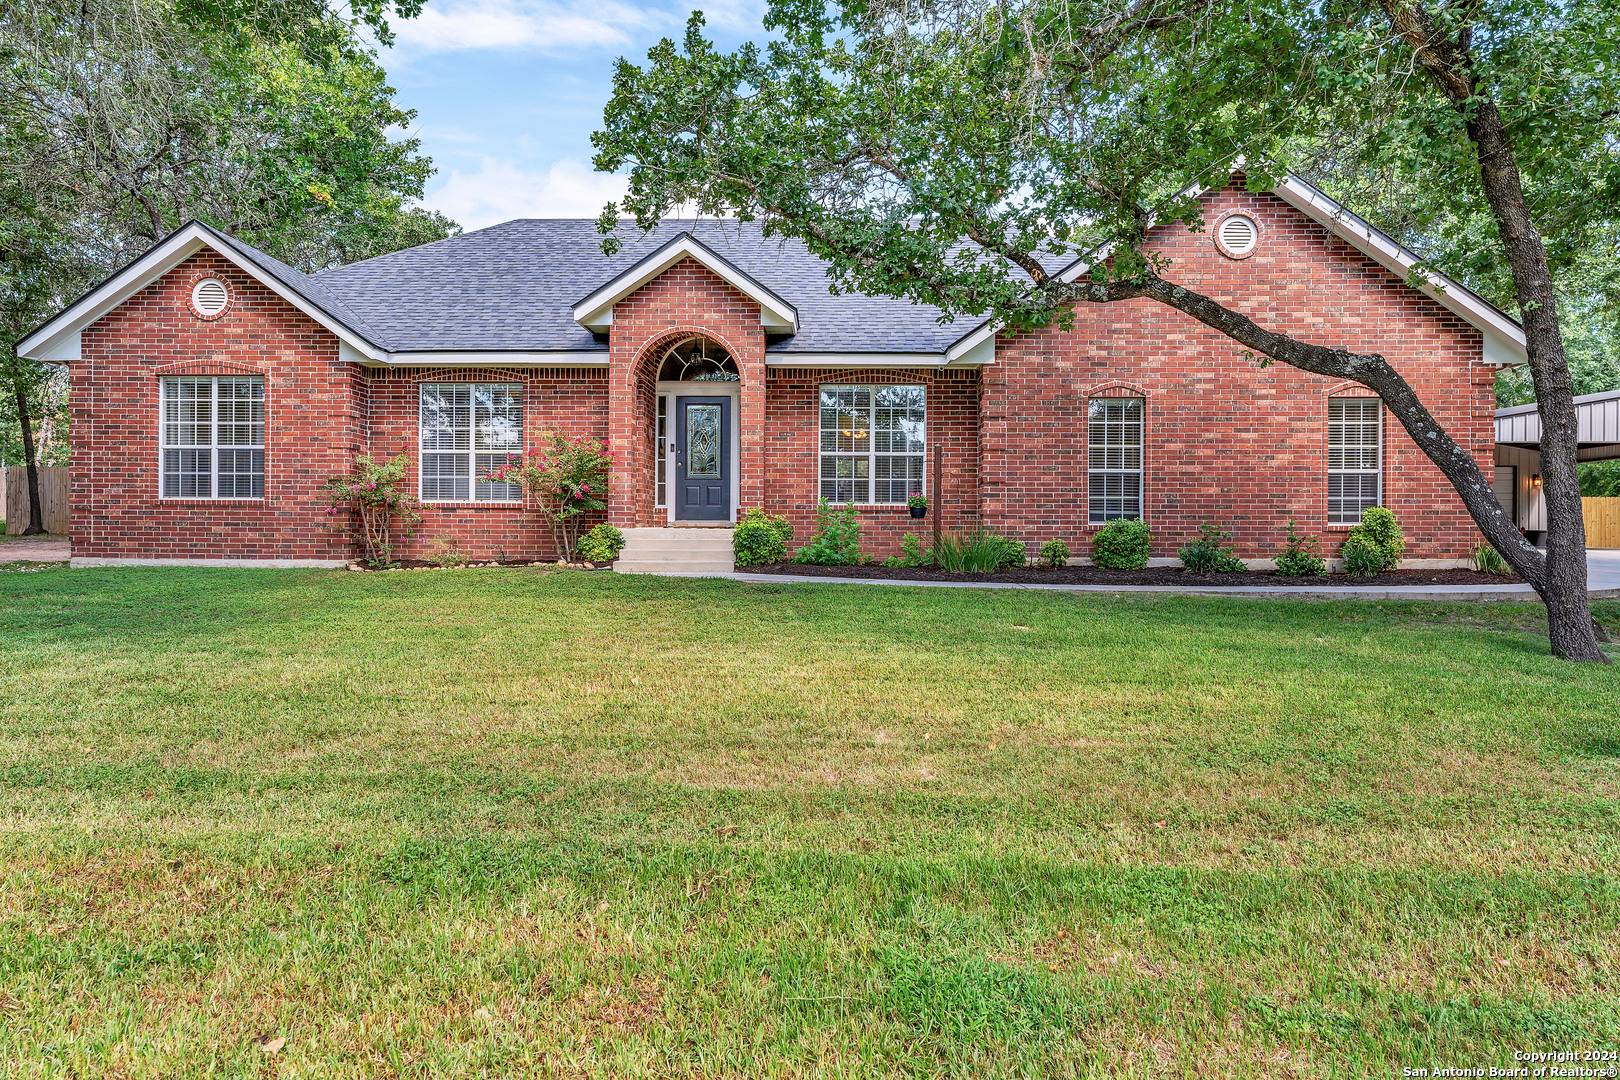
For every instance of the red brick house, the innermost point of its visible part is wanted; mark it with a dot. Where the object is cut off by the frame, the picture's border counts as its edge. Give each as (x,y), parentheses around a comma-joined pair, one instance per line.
(215,389)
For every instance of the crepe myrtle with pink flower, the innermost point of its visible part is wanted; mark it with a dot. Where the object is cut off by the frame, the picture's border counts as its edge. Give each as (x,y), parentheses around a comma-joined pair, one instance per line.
(566,480)
(372,504)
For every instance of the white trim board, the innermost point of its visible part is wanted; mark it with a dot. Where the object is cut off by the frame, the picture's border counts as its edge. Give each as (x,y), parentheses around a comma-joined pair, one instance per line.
(51,339)
(595,312)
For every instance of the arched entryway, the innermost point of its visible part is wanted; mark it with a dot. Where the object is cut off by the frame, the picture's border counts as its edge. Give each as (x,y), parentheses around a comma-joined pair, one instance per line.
(696,433)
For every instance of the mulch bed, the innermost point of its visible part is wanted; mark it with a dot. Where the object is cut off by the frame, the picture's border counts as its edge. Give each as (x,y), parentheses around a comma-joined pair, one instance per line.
(1153,575)
(426,564)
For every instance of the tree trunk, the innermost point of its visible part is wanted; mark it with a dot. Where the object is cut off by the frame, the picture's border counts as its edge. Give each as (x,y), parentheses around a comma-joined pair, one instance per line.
(36,515)
(1450,65)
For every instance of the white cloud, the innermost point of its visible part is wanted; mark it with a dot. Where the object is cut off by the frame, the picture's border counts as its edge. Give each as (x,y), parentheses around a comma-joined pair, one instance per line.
(500,191)
(538,25)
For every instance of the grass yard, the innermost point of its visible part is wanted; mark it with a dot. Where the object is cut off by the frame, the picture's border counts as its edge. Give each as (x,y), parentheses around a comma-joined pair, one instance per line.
(503,823)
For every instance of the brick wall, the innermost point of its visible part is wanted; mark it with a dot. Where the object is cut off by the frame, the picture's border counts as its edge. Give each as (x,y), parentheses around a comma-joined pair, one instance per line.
(311,423)
(686,299)
(570,400)
(792,451)
(1227,441)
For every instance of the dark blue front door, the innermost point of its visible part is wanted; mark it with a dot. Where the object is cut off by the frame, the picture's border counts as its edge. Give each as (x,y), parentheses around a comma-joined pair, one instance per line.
(703,459)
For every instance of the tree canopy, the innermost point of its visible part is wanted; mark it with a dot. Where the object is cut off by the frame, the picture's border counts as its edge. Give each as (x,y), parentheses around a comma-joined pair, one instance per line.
(957,152)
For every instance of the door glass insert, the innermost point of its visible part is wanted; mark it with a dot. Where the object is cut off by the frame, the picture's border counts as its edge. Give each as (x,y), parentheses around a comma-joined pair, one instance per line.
(703,441)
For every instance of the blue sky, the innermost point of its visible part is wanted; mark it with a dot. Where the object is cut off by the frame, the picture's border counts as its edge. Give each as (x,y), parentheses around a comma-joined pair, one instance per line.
(507,93)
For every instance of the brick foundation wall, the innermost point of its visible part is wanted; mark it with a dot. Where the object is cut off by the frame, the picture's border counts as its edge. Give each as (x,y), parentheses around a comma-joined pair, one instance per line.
(1227,441)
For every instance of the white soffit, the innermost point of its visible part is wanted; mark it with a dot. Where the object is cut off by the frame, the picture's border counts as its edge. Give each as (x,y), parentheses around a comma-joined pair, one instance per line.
(595,312)
(54,336)
(853,359)
(494,358)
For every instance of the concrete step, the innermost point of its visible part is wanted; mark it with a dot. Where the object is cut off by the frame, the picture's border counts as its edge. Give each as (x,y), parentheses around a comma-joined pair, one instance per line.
(676,551)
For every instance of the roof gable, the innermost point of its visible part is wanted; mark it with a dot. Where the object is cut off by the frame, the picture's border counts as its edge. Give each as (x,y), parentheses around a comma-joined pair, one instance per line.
(595,312)
(1504,342)
(53,339)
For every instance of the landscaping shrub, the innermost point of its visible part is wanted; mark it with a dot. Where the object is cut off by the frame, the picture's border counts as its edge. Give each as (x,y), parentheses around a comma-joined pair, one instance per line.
(756,515)
(1299,557)
(1361,555)
(837,541)
(601,544)
(1487,560)
(755,543)
(1054,553)
(1378,533)
(911,553)
(377,497)
(1121,545)
(1209,554)
(979,552)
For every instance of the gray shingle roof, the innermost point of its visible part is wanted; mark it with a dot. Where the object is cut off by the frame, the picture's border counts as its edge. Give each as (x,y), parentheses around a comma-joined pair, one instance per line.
(513,286)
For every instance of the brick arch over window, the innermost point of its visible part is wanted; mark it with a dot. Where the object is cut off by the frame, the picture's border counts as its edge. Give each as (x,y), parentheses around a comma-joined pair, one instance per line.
(1349,389)
(209,367)
(1116,389)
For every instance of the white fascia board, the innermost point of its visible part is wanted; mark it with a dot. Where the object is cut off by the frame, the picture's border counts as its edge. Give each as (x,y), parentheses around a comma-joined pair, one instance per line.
(163,257)
(854,359)
(1508,346)
(595,312)
(974,349)
(500,358)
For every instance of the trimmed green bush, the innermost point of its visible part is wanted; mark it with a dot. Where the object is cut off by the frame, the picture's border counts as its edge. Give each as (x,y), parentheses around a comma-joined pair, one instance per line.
(1210,554)
(1361,556)
(1379,533)
(601,544)
(911,553)
(1299,557)
(755,543)
(756,515)
(1121,545)
(1054,553)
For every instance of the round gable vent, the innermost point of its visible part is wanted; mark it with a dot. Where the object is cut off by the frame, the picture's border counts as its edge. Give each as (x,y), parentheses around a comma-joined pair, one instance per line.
(210,298)
(1237,236)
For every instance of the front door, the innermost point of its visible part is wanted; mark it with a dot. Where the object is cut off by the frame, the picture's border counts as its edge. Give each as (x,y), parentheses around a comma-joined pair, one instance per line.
(703,459)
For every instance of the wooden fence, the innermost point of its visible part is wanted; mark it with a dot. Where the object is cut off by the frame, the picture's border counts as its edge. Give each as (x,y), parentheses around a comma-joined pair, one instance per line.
(53,498)
(1602,522)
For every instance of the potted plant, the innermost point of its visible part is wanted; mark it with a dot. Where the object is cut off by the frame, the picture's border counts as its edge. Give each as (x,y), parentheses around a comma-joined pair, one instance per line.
(918,504)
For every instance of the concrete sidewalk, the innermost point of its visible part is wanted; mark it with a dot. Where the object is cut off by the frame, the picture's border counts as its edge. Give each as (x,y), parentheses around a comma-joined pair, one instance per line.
(1602,583)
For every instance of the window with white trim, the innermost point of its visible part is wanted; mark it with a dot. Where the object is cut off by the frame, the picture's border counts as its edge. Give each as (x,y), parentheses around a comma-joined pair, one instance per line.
(1355,455)
(872,442)
(1114,459)
(211,438)
(467,430)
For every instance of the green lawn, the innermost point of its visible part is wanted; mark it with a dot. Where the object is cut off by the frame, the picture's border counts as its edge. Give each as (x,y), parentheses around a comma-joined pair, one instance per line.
(495,823)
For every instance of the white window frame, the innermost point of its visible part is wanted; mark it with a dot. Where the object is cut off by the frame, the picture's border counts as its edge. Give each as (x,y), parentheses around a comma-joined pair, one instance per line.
(1336,444)
(661,451)
(213,447)
(480,494)
(1098,458)
(871,455)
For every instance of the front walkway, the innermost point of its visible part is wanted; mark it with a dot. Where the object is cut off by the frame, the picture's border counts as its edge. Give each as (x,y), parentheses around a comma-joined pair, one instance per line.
(1602,582)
